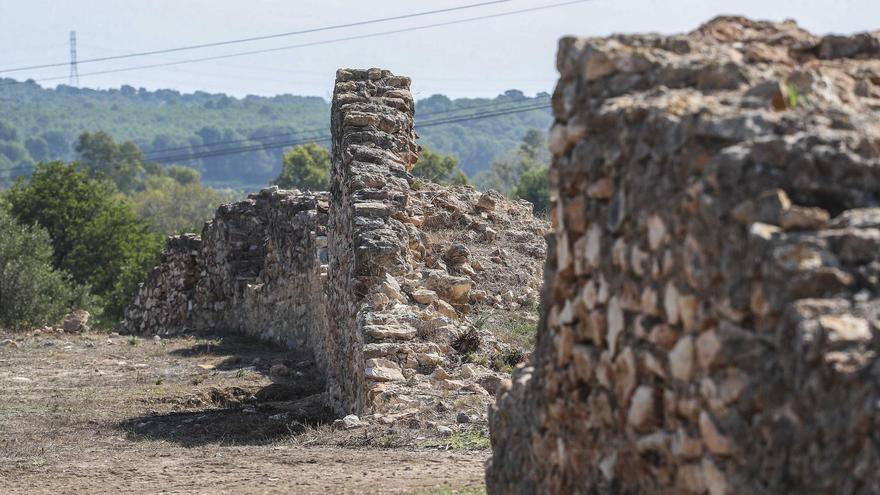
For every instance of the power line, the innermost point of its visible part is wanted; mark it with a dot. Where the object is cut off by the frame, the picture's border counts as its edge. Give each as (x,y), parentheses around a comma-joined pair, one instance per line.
(151,154)
(258,38)
(282,144)
(325,137)
(322,42)
(455,120)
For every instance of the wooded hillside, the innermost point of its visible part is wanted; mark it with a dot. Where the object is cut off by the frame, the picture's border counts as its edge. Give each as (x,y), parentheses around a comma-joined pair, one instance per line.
(199,129)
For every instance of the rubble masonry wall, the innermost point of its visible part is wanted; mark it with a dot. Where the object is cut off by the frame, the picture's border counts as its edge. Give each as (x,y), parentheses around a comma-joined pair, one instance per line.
(373,148)
(261,265)
(259,268)
(712,307)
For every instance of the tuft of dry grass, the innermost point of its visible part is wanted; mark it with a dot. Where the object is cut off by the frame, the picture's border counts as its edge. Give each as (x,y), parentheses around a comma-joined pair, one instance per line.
(467,342)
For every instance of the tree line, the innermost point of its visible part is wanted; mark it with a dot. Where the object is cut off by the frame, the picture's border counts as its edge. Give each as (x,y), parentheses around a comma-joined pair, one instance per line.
(520,173)
(39,124)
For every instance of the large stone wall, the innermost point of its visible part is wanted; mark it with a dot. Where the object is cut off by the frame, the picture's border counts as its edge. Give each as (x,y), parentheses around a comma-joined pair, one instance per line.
(374,278)
(164,303)
(711,315)
(259,268)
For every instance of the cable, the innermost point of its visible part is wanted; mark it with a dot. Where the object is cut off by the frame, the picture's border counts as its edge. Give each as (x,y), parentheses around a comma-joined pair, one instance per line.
(266,146)
(282,144)
(262,147)
(151,154)
(322,42)
(255,38)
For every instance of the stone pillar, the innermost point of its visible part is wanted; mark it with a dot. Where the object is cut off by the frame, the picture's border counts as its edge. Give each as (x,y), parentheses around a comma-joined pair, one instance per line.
(712,316)
(373,149)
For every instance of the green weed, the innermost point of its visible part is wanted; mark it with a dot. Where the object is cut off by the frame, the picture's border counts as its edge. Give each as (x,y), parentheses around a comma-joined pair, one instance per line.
(473,439)
(792,95)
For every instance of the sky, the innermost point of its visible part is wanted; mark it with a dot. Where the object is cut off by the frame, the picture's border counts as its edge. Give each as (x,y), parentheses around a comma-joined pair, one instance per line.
(480,58)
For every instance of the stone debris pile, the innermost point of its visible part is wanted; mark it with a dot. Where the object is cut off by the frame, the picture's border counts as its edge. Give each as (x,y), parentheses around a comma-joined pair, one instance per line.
(710,322)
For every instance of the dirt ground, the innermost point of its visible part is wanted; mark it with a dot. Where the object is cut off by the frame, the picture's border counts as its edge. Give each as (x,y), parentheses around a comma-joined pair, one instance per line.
(99,413)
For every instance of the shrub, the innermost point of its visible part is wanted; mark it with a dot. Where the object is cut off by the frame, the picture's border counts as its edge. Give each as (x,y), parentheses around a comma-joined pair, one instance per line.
(438,168)
(172,207)
(32,293)
(533,187)
(96,235)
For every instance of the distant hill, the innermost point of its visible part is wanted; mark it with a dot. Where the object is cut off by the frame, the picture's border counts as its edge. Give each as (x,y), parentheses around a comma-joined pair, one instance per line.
(41,124)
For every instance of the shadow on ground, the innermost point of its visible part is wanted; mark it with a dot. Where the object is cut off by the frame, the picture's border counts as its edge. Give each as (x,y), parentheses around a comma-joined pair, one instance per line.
(250,421)
(242,352)
(240,415)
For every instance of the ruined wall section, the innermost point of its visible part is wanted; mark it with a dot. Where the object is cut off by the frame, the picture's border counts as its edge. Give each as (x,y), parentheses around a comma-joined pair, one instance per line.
(711,324)
(164,301)
(263,268)
(373,148)
(258,268)
(389,284)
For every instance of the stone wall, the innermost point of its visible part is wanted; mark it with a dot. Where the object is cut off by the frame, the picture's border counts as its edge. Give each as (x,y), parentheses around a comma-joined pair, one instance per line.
(374,278)
(373,148)
(259,268)
(164,300)
(712,306)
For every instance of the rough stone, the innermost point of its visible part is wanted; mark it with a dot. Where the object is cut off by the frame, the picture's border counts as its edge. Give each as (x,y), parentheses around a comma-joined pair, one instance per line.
(751,220)
(349,422)
(424,296)
(681,359)
(383,370)
(641,409)
(279,370)
(76,322)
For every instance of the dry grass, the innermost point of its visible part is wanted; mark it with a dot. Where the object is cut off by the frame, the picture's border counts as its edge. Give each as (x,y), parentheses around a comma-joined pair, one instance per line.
(516,330)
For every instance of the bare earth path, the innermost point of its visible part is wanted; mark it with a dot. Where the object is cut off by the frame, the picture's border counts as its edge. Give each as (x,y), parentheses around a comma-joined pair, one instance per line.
(106,414)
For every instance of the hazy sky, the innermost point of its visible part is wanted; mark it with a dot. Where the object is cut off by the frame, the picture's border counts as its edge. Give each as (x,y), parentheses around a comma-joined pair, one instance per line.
(481,58)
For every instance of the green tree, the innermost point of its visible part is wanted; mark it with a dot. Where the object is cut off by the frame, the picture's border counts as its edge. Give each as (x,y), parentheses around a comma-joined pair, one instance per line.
(13,151)
(533,187)
(38,148)
(32,292)
(442,169)
(172,207)
(8,132)
(306,166)
(183,175)
(59,147)
(102,156)
(504,173)
(534,146)
(502,176)
(96,234)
